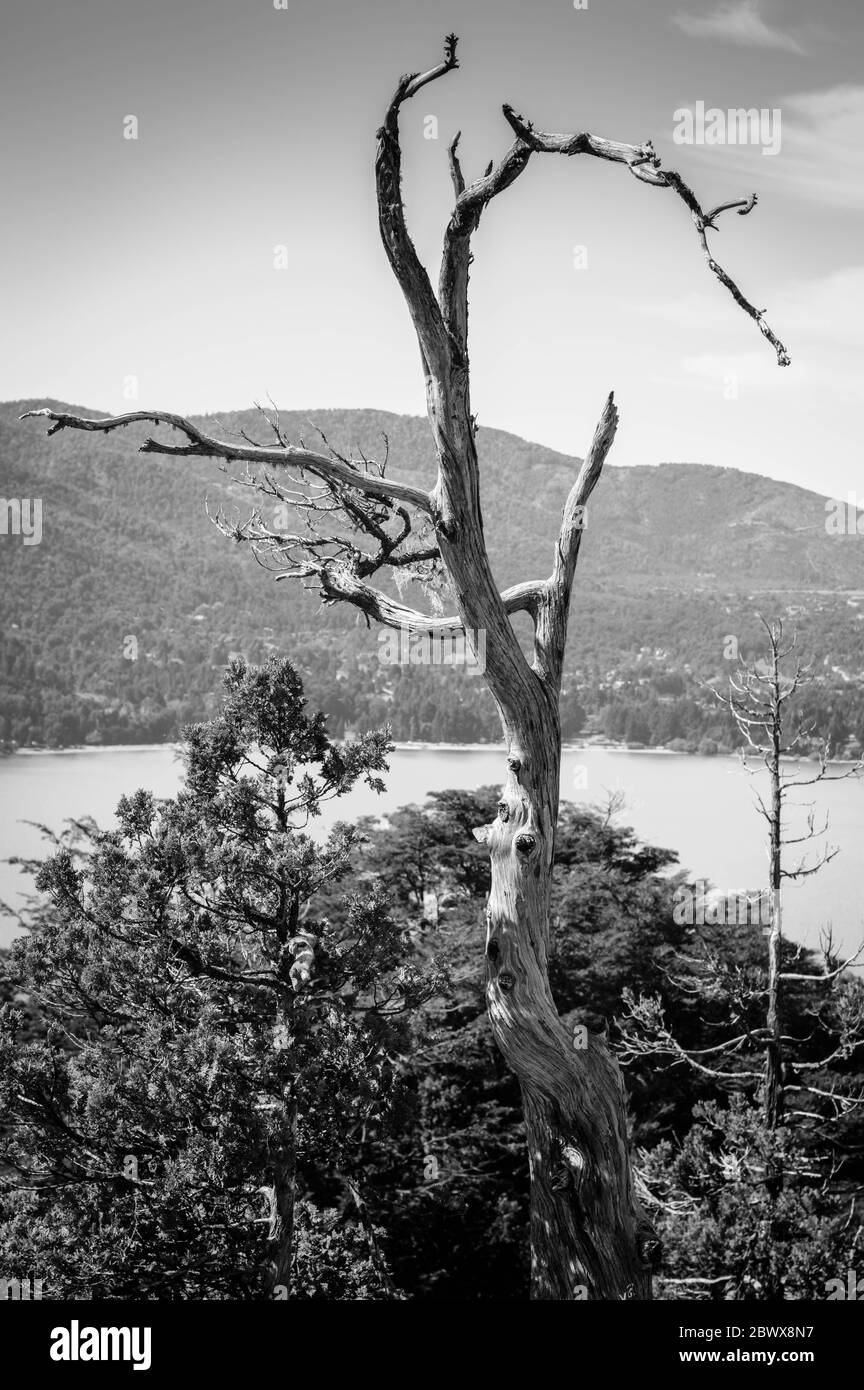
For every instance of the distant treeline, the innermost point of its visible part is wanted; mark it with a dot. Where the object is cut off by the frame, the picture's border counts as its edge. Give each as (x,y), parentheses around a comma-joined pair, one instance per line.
(148,694)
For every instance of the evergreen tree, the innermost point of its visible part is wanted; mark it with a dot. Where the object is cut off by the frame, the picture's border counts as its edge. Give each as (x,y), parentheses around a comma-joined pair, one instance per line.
(213,1047)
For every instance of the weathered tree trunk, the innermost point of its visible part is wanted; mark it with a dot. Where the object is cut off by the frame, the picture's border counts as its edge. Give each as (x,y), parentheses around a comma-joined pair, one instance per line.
(588,1236)
(282,1197)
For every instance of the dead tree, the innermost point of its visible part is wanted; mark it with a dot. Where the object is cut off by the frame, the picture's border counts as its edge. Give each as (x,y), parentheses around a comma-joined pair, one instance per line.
(587,1231)
(759,701)
(804,1125)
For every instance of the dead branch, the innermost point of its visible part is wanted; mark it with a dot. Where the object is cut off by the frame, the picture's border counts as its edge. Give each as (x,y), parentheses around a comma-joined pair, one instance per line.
(202,445)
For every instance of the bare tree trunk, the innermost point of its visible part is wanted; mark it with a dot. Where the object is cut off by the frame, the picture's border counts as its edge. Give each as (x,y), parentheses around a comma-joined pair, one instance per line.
(588,1236)
(368,1225)
(773,1100)
(757,700)
(282,1196)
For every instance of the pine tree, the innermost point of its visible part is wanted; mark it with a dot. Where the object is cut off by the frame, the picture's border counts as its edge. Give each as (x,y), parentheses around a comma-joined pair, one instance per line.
(213,1048)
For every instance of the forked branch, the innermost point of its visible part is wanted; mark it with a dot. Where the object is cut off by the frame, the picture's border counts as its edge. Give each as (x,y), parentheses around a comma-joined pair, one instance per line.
(551,630)
(452,303)
(355,488)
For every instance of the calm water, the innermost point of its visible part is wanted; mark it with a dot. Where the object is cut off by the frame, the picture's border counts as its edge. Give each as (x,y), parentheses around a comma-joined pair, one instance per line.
(700,807)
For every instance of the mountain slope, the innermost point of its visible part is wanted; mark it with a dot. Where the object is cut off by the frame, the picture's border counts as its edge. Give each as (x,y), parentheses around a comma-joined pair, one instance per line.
(675,559)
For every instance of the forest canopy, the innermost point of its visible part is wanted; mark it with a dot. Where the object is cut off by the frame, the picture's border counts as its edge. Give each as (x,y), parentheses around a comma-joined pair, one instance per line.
(232,1051)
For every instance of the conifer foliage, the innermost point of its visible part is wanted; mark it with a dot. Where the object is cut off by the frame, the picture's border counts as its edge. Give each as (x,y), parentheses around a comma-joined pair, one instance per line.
(209,1047)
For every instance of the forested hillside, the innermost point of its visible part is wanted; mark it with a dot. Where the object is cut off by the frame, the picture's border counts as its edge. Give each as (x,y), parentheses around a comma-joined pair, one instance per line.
(117,625)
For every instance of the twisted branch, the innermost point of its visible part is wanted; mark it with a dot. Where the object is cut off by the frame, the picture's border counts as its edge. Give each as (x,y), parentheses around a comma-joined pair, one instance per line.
(328,467)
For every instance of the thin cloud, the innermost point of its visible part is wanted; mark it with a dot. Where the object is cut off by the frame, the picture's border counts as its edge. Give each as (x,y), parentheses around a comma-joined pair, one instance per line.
(821,155)
(739,22)
(822,146)
(820,322)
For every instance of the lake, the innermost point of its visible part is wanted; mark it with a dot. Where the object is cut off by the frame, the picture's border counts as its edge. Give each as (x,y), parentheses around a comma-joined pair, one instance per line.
(702,808)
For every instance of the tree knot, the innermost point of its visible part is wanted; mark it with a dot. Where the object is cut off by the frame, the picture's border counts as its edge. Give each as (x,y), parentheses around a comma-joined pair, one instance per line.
(650,1249)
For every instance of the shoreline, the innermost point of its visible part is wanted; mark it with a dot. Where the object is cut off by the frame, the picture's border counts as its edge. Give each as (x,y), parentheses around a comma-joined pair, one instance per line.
(400,746)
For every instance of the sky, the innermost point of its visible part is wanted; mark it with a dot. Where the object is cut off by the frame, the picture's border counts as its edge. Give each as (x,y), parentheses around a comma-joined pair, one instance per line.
(150,264)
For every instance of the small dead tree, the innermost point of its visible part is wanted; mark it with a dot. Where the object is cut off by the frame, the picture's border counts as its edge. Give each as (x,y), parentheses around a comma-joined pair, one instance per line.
(760,699)
(587,1229)
(801,1128)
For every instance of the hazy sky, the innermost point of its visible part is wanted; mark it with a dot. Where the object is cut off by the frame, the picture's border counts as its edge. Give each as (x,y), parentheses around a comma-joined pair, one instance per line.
(154,257)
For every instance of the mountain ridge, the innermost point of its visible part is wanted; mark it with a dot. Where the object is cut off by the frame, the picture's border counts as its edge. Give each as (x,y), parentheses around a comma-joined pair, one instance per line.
(676,557)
